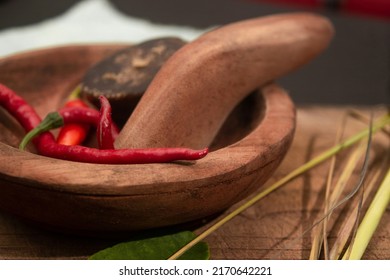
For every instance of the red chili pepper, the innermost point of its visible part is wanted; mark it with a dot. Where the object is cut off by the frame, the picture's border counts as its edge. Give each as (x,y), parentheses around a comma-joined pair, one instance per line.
(73,133)
(104,129)
(18,108)
(50,148)
(67,116)
(47,146)
(80,115)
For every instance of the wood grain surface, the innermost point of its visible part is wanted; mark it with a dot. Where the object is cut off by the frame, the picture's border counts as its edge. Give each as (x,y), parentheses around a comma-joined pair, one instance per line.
(106,198)
(271,229)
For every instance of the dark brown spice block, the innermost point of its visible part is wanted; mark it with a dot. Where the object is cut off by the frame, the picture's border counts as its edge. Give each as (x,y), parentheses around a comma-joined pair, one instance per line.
(124,76)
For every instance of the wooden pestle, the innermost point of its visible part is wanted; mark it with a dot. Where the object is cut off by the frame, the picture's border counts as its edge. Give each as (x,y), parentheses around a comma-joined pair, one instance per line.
(191,96)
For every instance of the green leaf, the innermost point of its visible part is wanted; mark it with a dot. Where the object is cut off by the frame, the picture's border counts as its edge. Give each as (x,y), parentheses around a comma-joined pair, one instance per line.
(155,248)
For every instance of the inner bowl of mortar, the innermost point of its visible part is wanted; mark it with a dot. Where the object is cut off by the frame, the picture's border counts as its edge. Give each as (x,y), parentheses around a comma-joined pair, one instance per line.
(104,199)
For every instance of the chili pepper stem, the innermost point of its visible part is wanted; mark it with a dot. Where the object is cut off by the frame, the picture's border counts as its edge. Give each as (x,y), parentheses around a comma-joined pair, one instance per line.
(47,146)
(52,120)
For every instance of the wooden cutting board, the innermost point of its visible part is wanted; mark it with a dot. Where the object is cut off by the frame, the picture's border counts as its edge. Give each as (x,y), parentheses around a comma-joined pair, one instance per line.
(271,229)
(274,227)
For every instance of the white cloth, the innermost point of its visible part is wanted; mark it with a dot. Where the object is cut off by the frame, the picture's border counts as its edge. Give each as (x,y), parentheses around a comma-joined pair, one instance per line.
(88,21)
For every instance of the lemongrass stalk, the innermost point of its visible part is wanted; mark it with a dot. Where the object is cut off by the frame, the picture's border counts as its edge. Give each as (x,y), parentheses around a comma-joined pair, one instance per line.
(333,198)
(371,219)
(340,187)
(347,173)
(359,116)
(324,228)
(318,238)
(347,227)
(295,173)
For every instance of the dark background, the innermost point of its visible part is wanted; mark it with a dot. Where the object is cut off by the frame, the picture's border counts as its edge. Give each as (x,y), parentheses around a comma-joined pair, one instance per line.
(355,70)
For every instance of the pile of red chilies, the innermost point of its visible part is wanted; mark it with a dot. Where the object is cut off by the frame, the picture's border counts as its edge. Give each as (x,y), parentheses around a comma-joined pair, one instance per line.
(38,132)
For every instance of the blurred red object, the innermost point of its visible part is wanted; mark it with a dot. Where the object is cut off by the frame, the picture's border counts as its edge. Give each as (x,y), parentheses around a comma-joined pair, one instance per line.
(373,8)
